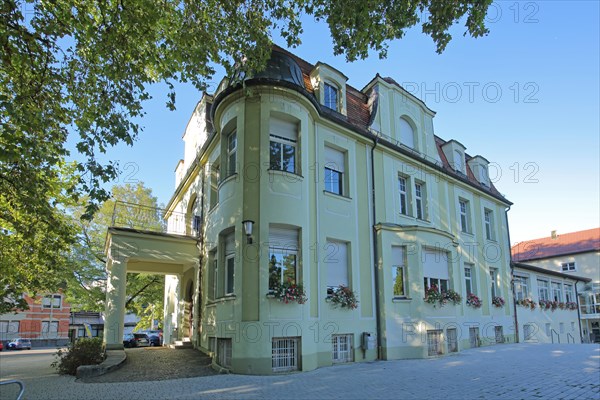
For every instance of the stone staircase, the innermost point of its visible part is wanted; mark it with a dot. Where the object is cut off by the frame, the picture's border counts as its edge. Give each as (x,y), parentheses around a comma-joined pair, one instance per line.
(184,343)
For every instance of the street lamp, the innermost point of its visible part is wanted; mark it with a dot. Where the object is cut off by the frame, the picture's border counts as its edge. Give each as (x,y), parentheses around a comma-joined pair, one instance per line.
(248,226)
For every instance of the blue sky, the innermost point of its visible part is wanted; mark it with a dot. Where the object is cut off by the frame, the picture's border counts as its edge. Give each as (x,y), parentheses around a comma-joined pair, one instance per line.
(526,97)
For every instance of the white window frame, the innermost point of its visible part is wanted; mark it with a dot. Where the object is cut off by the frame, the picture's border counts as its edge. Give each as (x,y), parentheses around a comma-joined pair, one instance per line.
(229,274)
(569,294)
(281,142)
(420,200)
(569,266)
(403,185)
(9,327)
(50,328)
(459,162)
(342,348)
(432,274)
(488,216)
(232,153)
(469,270)
(407,133)
(521,287)
(337,264)
(494,282)
(465,215)
(285,354)
(335,166)
(399,269)
(328,101)
(284,248)
(214,274)
(50,301)
(215,175)
(543,289)
(556,291)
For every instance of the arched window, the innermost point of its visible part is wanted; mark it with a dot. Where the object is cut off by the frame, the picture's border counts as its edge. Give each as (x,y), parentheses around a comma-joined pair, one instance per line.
(407,134)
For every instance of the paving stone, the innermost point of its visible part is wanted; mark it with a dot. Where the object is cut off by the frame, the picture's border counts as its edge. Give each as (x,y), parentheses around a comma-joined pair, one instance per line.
(515,371)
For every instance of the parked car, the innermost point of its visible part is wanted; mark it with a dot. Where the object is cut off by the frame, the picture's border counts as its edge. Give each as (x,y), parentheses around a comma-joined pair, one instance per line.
(129,340)
(155,336)
(155,340)
(19,344)
(142,339)
(1,346)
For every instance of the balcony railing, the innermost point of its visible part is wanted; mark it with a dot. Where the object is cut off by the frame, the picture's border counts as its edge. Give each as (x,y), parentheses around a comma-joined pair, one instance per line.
(153,219)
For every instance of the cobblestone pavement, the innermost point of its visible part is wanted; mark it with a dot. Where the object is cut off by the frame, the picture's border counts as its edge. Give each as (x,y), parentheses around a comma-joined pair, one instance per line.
(511,371)
(158,364)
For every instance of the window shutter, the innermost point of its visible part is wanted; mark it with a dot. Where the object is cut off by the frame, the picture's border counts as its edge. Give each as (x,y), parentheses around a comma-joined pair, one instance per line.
(230,243)
(334,159)
(284,129)
(283,238)
(398,256)
(337,263)
(435,264)
(407,135)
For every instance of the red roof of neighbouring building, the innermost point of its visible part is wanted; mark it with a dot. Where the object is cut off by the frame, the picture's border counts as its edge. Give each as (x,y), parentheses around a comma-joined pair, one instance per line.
(566,243)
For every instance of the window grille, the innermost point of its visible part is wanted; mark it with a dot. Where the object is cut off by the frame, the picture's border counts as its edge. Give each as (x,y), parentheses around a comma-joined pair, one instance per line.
(342,348)
(434,343)
(285,354)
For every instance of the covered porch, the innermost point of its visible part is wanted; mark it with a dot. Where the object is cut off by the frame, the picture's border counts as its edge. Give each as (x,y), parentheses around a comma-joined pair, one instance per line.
(175,255)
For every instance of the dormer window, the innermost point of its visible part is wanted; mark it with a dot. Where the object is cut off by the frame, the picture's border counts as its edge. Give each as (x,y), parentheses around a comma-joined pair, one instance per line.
(331,97)
(330,87)
(459,163)
(484,175)
(407,134)
(479,166)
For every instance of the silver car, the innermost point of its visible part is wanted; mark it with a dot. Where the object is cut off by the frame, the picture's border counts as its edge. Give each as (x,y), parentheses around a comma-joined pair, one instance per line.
(19,344)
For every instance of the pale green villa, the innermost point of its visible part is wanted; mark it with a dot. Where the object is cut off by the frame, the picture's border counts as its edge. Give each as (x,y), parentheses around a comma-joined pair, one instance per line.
(300,178)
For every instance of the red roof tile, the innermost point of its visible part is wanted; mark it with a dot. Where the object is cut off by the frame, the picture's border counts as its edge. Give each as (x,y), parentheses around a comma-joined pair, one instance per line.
(567,243)
(358,114)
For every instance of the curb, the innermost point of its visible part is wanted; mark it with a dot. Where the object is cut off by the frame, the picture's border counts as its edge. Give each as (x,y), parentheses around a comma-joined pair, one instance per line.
(114,360)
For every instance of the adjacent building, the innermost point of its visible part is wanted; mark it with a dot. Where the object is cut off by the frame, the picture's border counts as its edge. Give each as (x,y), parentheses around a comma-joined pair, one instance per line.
(575,254)
(316,223)
(546,307)
(46,322)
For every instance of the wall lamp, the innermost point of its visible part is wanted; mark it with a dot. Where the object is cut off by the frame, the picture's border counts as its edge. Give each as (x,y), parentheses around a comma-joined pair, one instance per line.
(248,226)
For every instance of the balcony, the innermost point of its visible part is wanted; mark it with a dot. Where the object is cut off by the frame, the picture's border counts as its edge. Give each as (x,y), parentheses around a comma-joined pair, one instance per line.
(153,219)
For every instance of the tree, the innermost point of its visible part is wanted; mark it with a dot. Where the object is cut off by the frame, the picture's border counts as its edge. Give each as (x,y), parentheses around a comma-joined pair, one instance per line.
(84,67)
(87,282)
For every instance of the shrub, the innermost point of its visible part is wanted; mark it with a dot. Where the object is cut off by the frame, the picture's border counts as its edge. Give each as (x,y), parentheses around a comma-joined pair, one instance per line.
(87,351)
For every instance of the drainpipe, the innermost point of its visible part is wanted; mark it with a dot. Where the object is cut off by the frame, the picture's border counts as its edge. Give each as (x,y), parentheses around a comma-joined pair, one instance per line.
(200,246)
(375,255)
(578,312)
(512,278)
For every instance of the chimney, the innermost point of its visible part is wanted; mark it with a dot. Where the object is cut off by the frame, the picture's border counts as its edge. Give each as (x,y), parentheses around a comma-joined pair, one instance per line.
(553,235)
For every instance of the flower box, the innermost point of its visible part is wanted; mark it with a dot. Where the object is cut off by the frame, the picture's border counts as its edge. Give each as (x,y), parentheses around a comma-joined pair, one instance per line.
(343,297)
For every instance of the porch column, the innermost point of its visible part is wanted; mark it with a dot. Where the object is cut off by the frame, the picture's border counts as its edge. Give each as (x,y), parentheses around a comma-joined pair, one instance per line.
(115,304)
